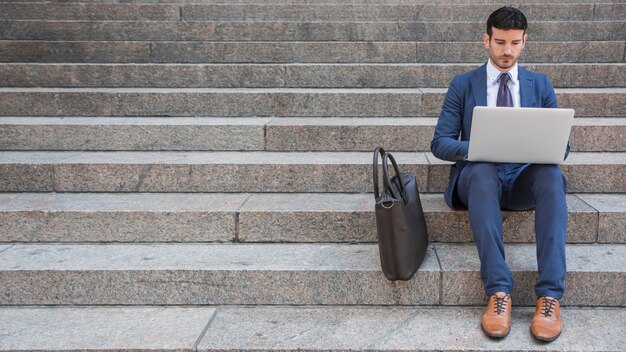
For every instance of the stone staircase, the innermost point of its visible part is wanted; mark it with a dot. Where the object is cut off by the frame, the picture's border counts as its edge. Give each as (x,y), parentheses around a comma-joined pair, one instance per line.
(196,174)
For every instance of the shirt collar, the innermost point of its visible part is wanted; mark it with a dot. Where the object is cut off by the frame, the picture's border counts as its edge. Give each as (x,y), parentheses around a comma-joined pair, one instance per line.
(493,74)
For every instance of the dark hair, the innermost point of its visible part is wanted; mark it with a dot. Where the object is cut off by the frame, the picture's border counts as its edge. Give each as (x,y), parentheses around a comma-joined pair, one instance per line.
(506,18)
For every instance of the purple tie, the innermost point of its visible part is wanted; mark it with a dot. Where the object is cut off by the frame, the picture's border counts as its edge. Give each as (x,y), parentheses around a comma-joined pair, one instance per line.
(504,94)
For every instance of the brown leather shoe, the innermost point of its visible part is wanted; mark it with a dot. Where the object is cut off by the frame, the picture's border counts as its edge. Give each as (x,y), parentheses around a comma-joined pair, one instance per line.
(547,324)
(496,321)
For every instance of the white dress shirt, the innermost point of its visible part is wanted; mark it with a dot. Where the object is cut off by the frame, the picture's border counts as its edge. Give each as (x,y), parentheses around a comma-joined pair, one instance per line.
(493,84)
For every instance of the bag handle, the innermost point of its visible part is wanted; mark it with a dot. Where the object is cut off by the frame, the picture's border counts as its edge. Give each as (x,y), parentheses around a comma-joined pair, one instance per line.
(387,157)
(378,151)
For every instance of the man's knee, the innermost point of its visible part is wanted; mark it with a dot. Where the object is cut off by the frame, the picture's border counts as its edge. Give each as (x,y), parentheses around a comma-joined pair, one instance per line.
(548,178)
(480,171)
(481,178)
(547,171)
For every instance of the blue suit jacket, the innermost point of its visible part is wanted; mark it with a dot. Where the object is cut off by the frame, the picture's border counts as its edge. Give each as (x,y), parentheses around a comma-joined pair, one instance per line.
(465,92)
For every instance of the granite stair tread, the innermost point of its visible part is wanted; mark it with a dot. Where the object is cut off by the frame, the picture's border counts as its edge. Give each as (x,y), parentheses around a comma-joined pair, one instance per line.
(324,75)
(269,102)
(612,90)
(312,12)
(272,134)
(283,328)
(267,217)
(346,328)
(256,171)
(145,328)
(301,274)
(99,133)
(298,51)
(333,30)
(311,2)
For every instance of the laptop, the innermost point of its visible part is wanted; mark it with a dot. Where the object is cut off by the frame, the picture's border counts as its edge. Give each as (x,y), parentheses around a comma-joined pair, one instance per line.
(519,135)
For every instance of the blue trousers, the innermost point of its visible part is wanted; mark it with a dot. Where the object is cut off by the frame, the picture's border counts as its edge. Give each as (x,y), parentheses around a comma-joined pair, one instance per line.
(484,189)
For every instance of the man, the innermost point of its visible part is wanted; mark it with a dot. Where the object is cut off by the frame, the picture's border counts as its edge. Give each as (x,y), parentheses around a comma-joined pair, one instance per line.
(485,188)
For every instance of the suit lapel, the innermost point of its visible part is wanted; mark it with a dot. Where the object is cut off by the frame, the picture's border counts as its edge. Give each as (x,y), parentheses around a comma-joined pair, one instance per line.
(526,87)
(479,85)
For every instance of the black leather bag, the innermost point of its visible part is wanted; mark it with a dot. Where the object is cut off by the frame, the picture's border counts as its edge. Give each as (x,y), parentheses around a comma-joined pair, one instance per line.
(400,222)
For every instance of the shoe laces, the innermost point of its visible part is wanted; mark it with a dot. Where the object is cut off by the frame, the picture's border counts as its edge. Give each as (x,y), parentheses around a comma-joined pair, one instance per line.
(547,308)
(501,303)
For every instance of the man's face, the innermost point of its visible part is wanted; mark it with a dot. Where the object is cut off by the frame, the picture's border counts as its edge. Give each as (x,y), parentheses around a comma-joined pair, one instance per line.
(505,46)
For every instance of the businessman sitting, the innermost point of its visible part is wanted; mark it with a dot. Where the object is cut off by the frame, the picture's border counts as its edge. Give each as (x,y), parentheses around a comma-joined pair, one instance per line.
(485,188)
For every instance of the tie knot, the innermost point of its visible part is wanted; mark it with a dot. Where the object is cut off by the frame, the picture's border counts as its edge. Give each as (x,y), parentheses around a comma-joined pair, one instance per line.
(504,78)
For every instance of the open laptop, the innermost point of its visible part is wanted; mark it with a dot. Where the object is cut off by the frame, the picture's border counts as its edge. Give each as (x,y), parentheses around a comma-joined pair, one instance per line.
(520,135)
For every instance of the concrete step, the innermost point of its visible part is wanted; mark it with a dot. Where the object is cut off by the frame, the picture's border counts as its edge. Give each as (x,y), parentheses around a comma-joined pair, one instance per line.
(268,217)
(299,12)
(109,217)
(350,218)
(317,328)
(311,2)
(290,172)
(386,12)
(408,134)
(272,134)
(298,51)
(592,75)
(91,12)
(300,274)
(135,134)
(415,329)
(261,102)
(420,31)
(140,328)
